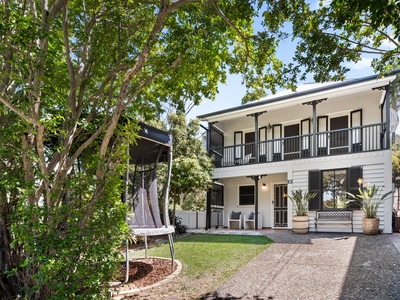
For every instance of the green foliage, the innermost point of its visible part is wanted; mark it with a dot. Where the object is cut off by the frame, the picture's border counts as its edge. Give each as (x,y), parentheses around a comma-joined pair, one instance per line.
(395,161)
(335,33)
(177,221)
(69,71)
(369,199)
(191,165)
(57,252)
(195,201)
(301,200)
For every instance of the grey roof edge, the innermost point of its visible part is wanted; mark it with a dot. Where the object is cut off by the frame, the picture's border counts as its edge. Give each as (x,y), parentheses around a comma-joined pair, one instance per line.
(297,94)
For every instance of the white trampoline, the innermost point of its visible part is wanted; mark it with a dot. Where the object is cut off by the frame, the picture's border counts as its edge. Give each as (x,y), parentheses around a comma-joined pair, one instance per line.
(144,195)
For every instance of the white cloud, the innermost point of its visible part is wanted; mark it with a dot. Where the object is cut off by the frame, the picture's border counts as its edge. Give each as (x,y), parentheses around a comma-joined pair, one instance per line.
(388,45)
(364,63)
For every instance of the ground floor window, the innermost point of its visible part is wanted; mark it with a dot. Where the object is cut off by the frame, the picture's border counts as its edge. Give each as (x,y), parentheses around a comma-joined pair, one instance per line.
(246,195)
(332,186)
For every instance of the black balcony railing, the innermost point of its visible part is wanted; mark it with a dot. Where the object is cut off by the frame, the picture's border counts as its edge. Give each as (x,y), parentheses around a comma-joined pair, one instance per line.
(335,142)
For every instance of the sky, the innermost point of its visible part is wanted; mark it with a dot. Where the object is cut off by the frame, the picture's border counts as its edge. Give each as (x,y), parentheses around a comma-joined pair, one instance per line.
(231,94)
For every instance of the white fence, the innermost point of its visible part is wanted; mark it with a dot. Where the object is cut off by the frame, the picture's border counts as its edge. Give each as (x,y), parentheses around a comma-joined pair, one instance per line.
(197,219)
(192,219)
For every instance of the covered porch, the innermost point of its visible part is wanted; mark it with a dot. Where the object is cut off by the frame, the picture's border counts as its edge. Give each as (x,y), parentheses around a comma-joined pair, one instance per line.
(237,200)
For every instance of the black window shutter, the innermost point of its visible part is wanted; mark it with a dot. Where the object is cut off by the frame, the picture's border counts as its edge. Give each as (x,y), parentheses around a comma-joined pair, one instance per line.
(355,174)
(314,187)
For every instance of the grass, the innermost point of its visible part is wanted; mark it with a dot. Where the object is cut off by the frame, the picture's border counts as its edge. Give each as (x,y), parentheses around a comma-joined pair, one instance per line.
(215,255)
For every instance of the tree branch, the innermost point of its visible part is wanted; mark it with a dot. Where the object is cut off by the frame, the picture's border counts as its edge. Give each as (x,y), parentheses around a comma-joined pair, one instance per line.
(375,50)
(57,6)
(384,34)
(226,19)
(151,79)
(71,72)
(19,113)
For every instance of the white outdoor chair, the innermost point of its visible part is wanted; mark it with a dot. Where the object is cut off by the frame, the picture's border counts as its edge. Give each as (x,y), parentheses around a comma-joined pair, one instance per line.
(250,219)
(245,160)
(235,220)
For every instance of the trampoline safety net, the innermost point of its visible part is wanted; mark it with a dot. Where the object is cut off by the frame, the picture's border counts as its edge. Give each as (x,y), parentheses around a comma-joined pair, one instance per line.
(143,195)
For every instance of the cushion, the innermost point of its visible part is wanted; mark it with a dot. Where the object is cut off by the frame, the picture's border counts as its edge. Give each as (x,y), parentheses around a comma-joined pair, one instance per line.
(251,216)
(235,215)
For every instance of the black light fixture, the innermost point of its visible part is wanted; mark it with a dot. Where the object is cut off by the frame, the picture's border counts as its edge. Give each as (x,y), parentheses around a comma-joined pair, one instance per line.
(264,186)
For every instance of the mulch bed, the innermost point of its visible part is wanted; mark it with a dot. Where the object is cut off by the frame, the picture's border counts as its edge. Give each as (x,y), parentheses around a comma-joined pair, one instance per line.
(144,272)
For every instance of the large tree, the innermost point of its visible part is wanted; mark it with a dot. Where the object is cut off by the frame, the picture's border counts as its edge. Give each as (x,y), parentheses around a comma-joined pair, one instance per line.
(69,71)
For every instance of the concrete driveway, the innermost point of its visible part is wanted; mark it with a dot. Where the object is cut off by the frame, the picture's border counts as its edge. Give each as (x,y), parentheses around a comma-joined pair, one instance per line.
(318,266)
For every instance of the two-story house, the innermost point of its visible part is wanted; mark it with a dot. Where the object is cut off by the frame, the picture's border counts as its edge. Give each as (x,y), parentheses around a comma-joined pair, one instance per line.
(326,138)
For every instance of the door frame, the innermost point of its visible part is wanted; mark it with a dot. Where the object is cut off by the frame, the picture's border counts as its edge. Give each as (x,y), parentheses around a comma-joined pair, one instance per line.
(292,149)
(273,205)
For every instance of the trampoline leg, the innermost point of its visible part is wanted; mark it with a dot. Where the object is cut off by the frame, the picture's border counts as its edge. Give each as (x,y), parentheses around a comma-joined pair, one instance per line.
(171,248)
(127,261)
(145,244)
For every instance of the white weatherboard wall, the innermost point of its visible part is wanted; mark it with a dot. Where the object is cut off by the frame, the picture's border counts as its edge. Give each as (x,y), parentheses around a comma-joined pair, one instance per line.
(376,170)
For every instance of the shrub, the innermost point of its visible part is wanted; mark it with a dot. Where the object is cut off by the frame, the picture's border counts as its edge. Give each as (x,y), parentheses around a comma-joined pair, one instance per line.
(179,226)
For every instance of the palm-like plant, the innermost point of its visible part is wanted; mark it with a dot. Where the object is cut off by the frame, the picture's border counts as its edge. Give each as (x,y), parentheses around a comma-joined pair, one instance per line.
(301,200)
(369,199)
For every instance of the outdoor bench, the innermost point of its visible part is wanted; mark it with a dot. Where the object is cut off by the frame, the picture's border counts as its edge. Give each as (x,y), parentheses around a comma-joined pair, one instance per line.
(334,218)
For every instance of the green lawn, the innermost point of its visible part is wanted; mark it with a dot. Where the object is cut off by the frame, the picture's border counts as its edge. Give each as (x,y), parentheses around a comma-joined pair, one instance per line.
(218,255)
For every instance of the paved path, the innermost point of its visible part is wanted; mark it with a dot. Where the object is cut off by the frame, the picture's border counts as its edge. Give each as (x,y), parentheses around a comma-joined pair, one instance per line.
(319,266)
(395,239)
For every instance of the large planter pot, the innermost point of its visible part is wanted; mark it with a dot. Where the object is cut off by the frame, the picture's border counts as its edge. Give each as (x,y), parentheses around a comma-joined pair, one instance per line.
(370,226)
(300,224)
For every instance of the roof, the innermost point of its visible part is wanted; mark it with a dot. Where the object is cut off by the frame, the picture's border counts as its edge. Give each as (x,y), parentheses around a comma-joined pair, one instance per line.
(319,90)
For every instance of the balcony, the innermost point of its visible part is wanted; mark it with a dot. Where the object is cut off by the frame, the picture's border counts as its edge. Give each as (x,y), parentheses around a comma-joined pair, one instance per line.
(336,142)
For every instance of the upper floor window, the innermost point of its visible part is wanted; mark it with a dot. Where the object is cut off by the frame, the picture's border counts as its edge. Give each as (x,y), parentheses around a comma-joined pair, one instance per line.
(246,195)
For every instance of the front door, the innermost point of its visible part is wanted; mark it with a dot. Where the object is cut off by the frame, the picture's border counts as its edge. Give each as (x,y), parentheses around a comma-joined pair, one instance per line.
(280,205)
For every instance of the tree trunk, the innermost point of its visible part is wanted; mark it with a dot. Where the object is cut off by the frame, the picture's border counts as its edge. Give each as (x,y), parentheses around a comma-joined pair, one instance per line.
(8,260)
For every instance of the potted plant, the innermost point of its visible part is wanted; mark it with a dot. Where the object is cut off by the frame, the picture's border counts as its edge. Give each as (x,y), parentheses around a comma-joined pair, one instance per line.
(369,199)
(300,201)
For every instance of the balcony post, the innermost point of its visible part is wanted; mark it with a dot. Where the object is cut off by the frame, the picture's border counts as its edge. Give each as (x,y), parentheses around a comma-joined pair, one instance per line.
(387,102)
(314,119)
(255,115)
(256,203)
(208,209)
(314,126)
(256,179)
(256,138)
